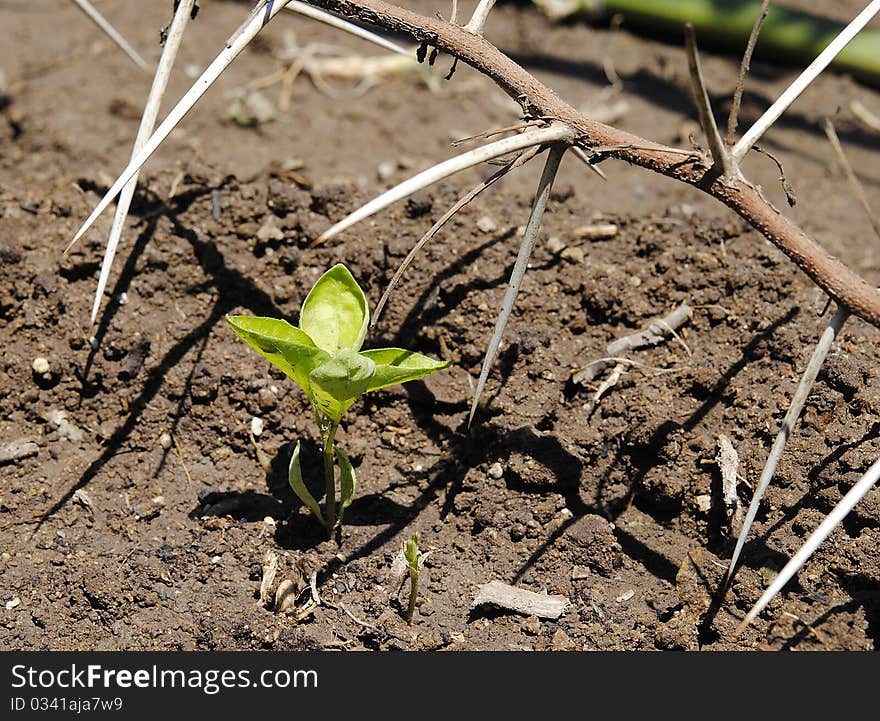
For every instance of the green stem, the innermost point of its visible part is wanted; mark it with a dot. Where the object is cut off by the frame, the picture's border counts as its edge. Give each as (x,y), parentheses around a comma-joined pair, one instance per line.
(413,595)
(789,35)
(330,476)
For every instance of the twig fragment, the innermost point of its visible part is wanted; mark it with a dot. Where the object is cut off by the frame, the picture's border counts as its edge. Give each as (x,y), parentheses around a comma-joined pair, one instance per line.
(728,463)
(529,603)
(270,569)
(654,333)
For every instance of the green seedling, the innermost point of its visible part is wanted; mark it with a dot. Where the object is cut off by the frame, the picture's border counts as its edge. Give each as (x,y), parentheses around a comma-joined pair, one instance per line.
(323,356)
(415,559)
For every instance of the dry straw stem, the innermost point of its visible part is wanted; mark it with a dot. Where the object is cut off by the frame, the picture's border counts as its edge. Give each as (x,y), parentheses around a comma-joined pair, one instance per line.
(856,493)
(551,167)
(148,122)
(832,276)
(797,404)
(112,33)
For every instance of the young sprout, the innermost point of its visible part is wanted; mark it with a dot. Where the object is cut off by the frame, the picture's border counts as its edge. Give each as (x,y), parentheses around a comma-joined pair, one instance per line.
(323,356)
(415,559)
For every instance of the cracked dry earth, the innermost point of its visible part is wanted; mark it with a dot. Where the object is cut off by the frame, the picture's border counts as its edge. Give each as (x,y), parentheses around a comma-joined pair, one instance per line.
(141,512)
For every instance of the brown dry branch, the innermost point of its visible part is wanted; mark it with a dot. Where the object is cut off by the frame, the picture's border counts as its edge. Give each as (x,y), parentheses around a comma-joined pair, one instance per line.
(537,100)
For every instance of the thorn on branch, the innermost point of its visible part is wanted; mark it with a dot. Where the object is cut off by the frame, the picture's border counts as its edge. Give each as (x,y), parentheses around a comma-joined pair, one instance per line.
(422,52)
(451,72)
(720,156)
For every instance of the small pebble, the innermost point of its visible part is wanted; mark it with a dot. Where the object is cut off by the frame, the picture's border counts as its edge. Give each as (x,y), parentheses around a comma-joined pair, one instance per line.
(216,559)
(165,441)
(14,603)
(257,426)
(532,626)
(573,255)
(579,573)
(40,366)
(555,244)
(486,224)
(385,170)
(496,471)
(625,596)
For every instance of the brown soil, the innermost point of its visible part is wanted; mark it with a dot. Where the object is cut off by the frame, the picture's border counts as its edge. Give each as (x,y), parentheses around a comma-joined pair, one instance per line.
(139,546)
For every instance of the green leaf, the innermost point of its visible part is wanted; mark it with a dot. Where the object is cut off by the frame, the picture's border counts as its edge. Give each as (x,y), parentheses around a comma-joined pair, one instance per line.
(395,365)
(340,381)
(299,488)
(347,482)
(335,313)
(283,345)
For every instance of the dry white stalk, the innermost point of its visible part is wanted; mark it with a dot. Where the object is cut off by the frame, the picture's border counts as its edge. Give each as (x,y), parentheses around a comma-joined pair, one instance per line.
(791,417)
(148,122)
(839,512)
(728,462)
(804,80)
(112,33)
(235,45)
(436,173)
(529,603)
(520,266)
(327,18)
(654,333)
(270,569)
(481,14)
